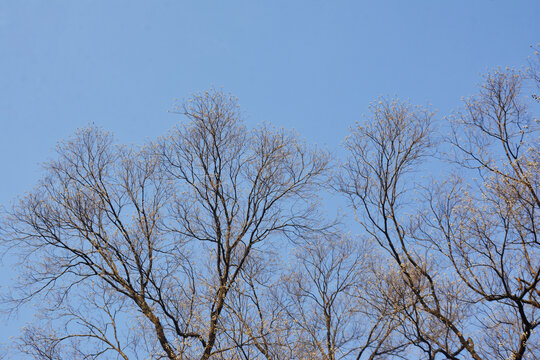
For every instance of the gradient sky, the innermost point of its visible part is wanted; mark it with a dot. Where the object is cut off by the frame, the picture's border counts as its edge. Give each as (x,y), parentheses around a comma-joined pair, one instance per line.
(309,65)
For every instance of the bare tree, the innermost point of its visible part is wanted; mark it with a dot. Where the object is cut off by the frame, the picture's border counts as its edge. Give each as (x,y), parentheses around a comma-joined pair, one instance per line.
(315,298)
(383,154)
(492,227)
(179,249)
(331,298)
(468,256)
(164,232)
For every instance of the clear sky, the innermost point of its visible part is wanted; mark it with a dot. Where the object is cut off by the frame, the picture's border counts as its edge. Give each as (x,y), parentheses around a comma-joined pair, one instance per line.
(309,65)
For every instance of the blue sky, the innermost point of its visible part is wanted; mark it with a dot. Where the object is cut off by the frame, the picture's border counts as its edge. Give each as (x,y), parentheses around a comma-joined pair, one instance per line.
(309,65)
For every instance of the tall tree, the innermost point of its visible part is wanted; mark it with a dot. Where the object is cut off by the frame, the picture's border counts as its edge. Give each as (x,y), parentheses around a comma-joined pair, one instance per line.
(134,251)
(468,255)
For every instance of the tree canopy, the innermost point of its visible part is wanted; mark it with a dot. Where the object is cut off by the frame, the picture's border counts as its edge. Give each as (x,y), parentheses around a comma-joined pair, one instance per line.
(213,242)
